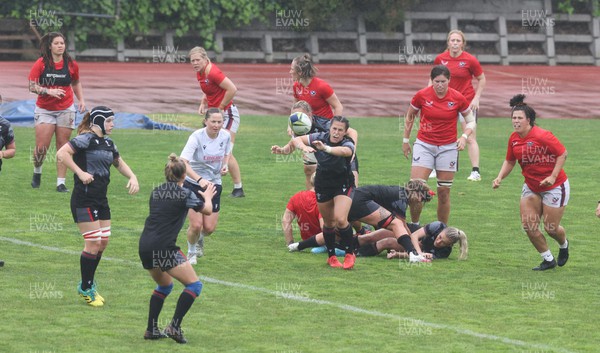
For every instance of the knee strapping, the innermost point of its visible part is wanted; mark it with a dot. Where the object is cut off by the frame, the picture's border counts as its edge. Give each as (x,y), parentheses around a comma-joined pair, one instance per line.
(445,183)
(166,290)
(195,288)
(385,222)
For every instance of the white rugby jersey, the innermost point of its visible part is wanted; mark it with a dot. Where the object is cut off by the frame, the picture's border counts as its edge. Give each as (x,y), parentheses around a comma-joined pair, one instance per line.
(206,154)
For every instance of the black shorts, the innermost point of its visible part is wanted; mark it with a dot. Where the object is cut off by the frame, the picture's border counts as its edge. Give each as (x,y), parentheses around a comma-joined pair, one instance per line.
(361,208)
(164,259)
(87,209)
(326,194)
(216,200)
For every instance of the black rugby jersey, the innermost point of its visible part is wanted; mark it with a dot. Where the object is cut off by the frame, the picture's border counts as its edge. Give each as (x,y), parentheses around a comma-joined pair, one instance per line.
(332,171)
(94,155)
(432,230)
(391,197)
(169,204)
(7,135)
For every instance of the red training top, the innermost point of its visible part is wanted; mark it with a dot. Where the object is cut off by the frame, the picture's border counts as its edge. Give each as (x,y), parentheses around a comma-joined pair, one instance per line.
(315,94)
(51,78)
(462,70)
(210,86)
(304,206)
(438,115)
(536,153)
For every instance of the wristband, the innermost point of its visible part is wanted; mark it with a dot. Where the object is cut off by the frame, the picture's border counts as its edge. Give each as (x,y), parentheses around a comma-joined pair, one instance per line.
(327,149)
(405,140)
(198,181)
(465,136)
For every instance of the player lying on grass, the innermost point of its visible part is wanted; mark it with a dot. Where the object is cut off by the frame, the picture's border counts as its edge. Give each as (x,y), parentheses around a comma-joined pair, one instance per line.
(383,207)
(435,241)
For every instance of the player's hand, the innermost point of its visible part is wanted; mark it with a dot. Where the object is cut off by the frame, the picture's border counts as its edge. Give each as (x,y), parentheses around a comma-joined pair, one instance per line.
(392,254)
(598,211)
(202,109)
(224,170)
(461,143)
(406,149)
(133,185)
(427,255)
(549,181)
(319,145)
(56,93)
(85,177)
(496,183)
(81,106)
(474,105)
(209,191)
(276,149)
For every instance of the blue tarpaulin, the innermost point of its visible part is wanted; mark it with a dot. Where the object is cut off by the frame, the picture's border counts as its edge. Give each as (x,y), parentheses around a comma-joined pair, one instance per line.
(20,113)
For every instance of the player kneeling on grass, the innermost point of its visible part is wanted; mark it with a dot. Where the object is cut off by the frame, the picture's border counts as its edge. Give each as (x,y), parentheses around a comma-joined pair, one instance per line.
(169,204)
(89,156)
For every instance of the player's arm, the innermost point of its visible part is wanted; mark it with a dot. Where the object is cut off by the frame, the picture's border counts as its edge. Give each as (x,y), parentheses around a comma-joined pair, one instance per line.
(469,128)
(353,134)
(230,91)
(203,104)
(302,143)
(65,156)
(335,104)
(125,171)
(286,225)
(560,162)
(339,151)
(9,152)
(409,120)
(507,167)
(78,91)
(480,86)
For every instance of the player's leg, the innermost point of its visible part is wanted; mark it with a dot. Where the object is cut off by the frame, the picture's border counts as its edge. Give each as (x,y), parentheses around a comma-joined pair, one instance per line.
(473,150)
(445,180)
(531,213)
(232,123)
(159,294)
(196,222)
(65,123)
(553,208)
(185,274)
(43,136)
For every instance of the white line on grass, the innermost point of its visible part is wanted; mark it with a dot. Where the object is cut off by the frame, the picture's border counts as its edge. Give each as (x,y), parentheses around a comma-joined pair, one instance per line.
(346,307)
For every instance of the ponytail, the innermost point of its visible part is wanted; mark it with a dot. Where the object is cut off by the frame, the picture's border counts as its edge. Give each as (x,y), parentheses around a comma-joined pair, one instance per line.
(457,235)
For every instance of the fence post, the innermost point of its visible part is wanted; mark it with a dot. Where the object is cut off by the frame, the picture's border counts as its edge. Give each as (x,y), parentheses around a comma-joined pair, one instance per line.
(361,41)
(550,47)
(267,47)
(408,39)
(121,49)
(595,45)
(72,48)
(219,47)
(502,45)
(313,47)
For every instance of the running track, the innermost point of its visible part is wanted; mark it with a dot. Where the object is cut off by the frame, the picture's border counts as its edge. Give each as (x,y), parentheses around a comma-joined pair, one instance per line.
(364,90)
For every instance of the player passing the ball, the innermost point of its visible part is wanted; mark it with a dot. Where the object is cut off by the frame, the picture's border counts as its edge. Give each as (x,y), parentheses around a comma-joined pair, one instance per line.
(169,205)
(89,155)
(219,91)
(436,146)
(334,185)
(546,190)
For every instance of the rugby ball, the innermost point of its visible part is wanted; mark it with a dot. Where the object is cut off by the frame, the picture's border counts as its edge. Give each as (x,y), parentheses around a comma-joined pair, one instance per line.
(300,123)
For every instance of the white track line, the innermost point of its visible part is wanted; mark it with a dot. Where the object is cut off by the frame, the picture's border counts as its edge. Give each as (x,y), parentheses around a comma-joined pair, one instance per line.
(346,307)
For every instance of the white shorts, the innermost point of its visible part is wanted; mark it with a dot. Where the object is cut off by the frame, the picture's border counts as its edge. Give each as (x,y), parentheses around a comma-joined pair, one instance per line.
(443,158)
(557,197)
(232,119)
(61,118)
(309,158)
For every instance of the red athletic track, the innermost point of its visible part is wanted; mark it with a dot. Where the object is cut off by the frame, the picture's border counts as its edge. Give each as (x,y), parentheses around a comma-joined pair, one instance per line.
(364,90)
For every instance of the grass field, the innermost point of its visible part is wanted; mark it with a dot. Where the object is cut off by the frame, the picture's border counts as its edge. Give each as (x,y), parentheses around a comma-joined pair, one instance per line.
(258,297)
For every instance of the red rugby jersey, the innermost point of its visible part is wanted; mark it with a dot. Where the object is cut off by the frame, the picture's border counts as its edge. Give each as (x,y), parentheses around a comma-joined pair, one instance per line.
(462,70)
(437,125)
(48,102)
(315,94)
(304,205)
(536,153)
(210,86)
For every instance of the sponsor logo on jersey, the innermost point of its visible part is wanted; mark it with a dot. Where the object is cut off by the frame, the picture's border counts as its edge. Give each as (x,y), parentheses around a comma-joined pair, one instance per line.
(428,103)
(444,63)
(450,104)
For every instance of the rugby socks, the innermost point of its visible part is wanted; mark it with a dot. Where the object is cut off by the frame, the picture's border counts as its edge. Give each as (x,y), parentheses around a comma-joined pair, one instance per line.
(156,303)
(237,185)
(565,245)
(547,255)
(37,170)
(192,247)
(186,299)
(346,241)
(60,181)
(476,169)
(407,244)
(98,257)
(308,243)
(88,267)
(329,235)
